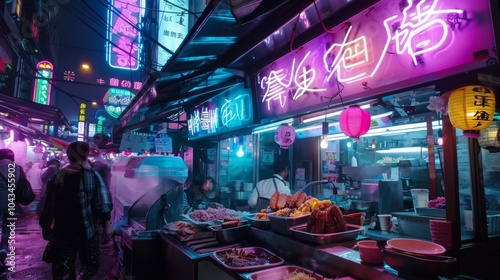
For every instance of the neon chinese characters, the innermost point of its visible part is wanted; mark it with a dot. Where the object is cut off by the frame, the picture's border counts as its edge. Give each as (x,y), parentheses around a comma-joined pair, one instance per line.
(124,37)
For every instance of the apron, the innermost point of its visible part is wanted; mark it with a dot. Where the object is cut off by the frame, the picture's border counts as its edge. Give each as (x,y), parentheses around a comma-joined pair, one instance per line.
(263,202)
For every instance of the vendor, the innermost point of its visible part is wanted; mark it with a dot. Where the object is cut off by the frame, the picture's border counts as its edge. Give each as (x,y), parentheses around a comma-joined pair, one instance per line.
(264,189)
(200,194)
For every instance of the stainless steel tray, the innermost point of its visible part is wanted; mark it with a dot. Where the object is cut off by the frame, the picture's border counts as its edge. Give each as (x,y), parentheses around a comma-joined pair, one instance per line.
(433,212)
(257,258)
(229,235)
(326,238)
(282,225)
(281,272)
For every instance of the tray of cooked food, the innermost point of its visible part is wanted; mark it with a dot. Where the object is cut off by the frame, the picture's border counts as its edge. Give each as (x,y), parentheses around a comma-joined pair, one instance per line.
(247,259)
(285,218)
(230,231)
(211,216)
(260,220)
(326,226)
(286,272)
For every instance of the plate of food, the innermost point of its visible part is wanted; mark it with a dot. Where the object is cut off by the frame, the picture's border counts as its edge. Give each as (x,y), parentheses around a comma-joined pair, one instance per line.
(259,220)
(247,259)
(203,224)
(211,216)
(286,272)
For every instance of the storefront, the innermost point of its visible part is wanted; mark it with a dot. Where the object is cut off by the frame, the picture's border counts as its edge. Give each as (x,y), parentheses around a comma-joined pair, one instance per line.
(397,61)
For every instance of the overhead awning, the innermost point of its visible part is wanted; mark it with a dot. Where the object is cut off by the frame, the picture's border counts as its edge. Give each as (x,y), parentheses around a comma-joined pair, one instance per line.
(224,47)
(23,111)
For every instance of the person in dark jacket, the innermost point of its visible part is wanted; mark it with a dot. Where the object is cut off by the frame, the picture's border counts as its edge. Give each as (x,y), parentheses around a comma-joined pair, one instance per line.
(53,166)
(8,171)
(77,199)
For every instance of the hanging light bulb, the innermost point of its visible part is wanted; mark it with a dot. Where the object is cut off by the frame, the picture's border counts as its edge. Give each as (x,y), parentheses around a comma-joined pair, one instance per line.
(349,144)
(240,152)
(374,145)
(324,142)
(440,137)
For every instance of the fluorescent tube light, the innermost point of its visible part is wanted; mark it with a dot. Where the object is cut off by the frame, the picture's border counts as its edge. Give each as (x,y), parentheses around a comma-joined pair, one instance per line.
(271,126)
(312,119)
(403,150)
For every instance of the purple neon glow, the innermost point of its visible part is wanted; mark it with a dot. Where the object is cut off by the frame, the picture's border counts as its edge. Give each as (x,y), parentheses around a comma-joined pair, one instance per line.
(124,47)
(420,22)
(424,40)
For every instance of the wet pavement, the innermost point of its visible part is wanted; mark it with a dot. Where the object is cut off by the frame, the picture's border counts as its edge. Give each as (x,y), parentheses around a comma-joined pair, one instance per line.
(29,250)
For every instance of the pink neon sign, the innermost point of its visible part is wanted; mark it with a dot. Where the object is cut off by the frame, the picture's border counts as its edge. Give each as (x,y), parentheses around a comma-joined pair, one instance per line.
(124,38)
(384,45)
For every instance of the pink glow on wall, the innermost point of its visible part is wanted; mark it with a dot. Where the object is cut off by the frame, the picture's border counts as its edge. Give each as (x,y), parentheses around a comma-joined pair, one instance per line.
(43,87)
(379,47)
(124,38)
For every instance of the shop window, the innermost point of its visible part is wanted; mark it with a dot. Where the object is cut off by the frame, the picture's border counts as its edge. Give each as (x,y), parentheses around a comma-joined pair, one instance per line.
(491,181)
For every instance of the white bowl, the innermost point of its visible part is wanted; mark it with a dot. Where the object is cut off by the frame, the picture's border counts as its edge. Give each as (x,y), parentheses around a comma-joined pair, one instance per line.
(416,246)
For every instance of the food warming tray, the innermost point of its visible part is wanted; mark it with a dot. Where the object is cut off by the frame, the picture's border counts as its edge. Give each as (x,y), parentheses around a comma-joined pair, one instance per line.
(250,255)
(326,238)
(281,272)
(229,235)
(282,225)
(202,224)
(263,224)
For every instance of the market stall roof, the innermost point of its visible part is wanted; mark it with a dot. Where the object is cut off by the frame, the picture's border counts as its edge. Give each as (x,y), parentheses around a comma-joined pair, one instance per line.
(224,46)
(23,111)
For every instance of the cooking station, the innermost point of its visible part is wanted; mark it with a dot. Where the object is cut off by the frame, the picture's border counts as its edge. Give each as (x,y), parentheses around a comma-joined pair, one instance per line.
(147,194)
(333,260)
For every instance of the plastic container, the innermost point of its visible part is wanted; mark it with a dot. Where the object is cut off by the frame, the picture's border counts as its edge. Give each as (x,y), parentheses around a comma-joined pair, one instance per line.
(420,198)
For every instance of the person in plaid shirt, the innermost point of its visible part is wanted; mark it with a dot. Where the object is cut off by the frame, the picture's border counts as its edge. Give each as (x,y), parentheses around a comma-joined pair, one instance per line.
(77,199)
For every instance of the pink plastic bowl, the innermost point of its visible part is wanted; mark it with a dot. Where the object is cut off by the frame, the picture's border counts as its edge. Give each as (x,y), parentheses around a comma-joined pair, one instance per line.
(369,252)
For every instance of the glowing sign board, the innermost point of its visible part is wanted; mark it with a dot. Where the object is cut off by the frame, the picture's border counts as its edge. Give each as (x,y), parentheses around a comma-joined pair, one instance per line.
(226,112)
(116,100)
(172,27)
(124,37)
(81,122)
(384,45)
(42,88)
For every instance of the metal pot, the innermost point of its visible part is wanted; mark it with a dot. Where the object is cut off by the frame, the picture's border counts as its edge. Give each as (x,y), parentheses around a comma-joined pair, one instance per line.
(361,205)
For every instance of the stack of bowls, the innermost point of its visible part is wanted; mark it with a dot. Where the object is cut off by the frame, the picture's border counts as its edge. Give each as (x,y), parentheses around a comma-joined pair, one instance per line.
(417,258)
(441,232)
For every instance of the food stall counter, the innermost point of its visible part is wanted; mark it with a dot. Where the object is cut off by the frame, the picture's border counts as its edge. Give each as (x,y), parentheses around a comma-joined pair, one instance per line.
(331,260)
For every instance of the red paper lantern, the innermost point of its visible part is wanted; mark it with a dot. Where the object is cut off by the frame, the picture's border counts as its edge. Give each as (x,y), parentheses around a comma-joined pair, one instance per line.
(354,122)
(284,135)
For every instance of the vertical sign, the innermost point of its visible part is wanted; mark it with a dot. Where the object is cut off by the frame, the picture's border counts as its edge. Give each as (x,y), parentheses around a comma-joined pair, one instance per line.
(172,29)
(92,129)
(42,88)
(81,122)
(124,37)
(100,122)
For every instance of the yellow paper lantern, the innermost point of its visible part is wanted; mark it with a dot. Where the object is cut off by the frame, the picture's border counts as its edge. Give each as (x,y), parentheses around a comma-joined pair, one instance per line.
(471,109)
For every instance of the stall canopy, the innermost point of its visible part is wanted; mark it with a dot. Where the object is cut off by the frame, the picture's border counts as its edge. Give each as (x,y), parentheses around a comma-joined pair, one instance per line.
(23,111)
(17,114)
(225,45)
